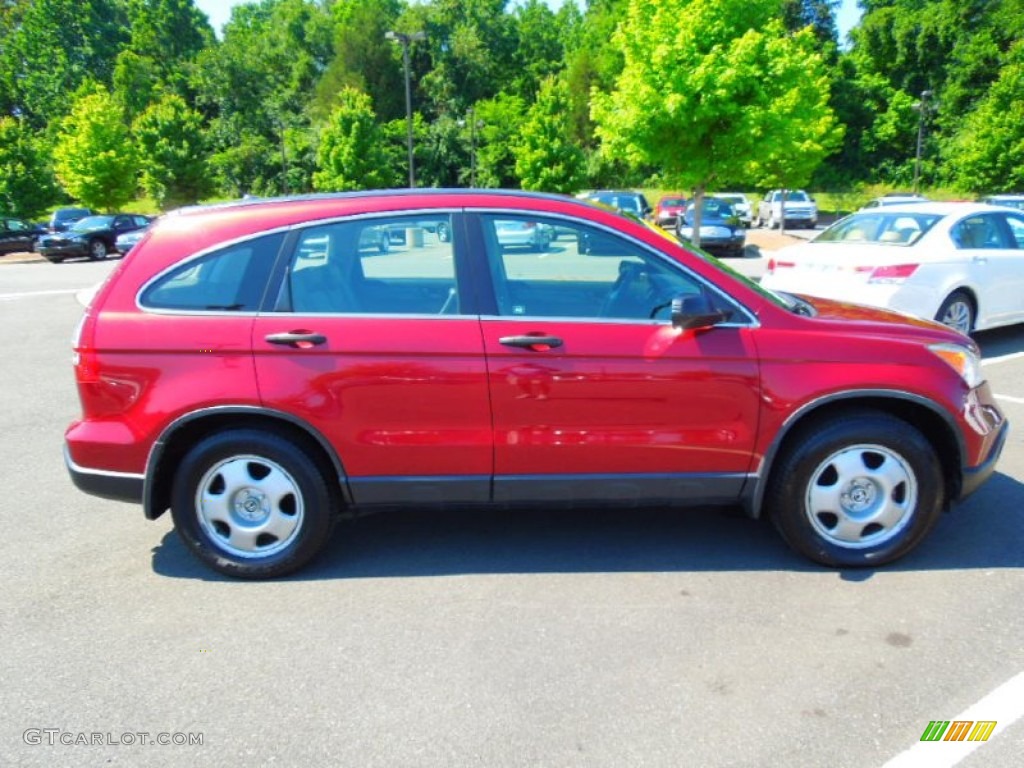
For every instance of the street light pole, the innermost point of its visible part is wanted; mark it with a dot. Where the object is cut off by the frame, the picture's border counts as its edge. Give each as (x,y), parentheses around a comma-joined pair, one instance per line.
(922,109)
(404,40)
(474,124)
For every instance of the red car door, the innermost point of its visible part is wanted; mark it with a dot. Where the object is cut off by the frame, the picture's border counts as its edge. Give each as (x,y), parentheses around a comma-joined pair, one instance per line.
(369,345)
(594,393)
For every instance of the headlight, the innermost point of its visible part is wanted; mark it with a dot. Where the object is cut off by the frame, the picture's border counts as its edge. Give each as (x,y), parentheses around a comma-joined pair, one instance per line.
(963,360)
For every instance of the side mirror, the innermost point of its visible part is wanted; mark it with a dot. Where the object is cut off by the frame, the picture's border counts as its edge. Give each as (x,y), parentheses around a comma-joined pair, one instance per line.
(694,311)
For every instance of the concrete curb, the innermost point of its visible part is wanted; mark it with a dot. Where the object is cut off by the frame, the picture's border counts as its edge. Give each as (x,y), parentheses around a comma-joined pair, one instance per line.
(22,258)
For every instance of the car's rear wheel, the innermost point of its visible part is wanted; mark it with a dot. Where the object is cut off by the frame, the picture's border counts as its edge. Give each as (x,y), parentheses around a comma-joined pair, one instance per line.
(252,504)
(957,311)
(860,489)
(97,250)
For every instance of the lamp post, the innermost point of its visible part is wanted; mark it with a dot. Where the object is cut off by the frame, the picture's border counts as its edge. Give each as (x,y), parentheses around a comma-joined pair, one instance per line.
(474,124)
(404,39)
(922,108)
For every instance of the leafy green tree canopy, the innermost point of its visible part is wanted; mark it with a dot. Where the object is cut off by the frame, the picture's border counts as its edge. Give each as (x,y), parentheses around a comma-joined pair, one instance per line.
(27,186)
(173,153)
(94,156)
(351,154)
(717,91)
(546,158)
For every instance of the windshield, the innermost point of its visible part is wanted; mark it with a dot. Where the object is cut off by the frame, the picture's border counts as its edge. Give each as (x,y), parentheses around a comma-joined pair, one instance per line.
(675,202)
(713,208)
(92,222)
(793,196)
(879,228)
(784,300)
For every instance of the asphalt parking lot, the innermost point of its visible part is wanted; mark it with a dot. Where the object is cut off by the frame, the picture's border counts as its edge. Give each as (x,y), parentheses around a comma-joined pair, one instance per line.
(648,638)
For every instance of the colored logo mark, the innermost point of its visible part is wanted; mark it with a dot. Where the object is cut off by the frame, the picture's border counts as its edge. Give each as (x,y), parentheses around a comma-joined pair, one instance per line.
(958,730)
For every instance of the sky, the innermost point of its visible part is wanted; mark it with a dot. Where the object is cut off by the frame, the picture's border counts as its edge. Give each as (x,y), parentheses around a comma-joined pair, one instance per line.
(219,12)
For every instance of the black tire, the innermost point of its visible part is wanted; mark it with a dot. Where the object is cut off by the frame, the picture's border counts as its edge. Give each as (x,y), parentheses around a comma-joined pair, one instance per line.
(886,480)
(222,491)
(97,250)
(957,312)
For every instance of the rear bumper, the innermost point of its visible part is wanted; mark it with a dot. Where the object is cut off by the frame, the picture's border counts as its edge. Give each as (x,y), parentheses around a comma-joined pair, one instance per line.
(117,486)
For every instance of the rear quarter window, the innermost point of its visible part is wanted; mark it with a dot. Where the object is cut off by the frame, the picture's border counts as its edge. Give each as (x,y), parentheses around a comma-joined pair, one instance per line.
(232,279)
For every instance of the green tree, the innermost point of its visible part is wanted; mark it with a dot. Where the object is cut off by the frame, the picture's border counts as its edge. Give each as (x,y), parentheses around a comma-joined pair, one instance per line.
(540,40)
(351,154)
(55,46)
(257,84)
(500,125)
(27,186)
(94,156)
(363,58)
(546,158)
(987,152)
(717,92)
(173,153)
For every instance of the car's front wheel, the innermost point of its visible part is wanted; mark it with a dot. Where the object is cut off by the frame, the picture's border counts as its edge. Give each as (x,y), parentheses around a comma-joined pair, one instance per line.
(860,489)
(252,504)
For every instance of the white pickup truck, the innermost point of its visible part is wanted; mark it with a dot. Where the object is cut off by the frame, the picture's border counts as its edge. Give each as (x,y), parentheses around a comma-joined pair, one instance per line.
(801,210)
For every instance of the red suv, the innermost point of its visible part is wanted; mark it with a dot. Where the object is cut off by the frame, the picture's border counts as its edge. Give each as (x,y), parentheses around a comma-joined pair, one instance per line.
(263,368)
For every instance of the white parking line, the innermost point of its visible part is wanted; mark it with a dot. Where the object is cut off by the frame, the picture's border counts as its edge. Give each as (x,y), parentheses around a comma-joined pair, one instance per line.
(1002,358)
(1005,705)
(30,294)
(1010,399)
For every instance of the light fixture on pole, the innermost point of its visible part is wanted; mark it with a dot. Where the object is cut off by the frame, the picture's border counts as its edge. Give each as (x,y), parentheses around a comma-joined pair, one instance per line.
(922,108)
(404,39)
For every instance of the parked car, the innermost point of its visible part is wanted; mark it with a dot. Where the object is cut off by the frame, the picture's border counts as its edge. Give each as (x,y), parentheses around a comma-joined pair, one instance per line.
(62,218)
(94,237)
(958,263)
(626,201)
(801,210)
(894,198)
(667,210)
(527,234)
(281,386)
(721,231)
(128,240)
(1006,201)
(17,235)
(740,206)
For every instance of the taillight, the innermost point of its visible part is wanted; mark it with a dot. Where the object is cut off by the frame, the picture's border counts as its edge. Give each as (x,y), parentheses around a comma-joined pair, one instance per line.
(896,273)
(773,265)
(84,349)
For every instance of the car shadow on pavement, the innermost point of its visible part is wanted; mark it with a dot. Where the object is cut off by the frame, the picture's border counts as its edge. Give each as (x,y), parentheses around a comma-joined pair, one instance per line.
(987,531)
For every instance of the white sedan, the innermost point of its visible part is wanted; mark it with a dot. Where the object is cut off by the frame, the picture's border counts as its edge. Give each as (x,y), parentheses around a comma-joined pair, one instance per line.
(959,263)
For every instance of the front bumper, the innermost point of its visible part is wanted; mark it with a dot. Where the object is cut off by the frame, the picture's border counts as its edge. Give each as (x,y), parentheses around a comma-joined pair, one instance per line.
(984,418)
(58,252)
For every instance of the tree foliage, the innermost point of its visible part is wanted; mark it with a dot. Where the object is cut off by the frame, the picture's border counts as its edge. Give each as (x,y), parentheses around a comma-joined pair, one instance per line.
(546,158)
(173,153)
(27,185)
(351,154)
(728,91)
(94,156)
(717,92)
